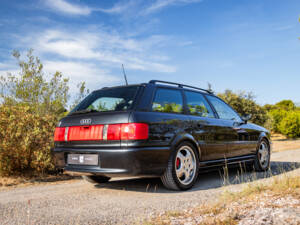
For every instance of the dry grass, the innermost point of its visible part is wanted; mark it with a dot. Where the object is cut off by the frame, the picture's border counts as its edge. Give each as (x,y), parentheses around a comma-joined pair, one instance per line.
(281,143)
(233,207)
(21,181)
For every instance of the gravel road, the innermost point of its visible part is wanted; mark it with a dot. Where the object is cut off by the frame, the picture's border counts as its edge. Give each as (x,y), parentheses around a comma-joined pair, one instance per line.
(122,201)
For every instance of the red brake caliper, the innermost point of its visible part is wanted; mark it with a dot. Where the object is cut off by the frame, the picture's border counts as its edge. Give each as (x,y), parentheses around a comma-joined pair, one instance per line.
(177,163)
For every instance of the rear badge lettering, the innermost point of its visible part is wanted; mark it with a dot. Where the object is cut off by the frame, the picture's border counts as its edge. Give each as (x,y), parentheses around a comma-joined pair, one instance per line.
(85,121)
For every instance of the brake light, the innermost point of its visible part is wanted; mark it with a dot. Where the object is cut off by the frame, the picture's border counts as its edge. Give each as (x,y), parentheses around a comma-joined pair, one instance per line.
(126,131)
(134,131)
(113,132)
(59,134)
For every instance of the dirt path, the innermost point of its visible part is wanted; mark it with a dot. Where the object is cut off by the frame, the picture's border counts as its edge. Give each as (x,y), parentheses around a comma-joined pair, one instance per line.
(120,201)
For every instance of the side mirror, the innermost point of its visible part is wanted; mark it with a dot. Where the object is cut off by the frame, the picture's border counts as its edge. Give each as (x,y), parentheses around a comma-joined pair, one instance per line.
(246,118)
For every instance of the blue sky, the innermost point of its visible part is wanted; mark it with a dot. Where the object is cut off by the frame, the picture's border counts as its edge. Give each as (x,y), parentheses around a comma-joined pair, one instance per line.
(249,45)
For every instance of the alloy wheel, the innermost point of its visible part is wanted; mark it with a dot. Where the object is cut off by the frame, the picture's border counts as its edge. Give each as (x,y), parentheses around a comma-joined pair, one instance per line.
(263,154)
(185,165)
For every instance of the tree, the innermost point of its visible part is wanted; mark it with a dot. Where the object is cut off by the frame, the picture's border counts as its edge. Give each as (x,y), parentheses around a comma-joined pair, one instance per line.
(31,104)
(31,88)
(83,92)
(244,103)
(287,105)
(290,125)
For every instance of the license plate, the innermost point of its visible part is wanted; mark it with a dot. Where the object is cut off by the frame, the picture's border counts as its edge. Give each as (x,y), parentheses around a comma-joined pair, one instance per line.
(83,159)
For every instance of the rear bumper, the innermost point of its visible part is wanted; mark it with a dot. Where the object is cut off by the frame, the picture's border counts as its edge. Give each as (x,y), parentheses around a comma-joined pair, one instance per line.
(118,162)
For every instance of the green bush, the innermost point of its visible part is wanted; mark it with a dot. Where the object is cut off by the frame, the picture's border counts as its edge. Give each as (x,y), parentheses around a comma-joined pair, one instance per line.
(244,103)
(277,116)
(290,125)
(26,140)
(30,107)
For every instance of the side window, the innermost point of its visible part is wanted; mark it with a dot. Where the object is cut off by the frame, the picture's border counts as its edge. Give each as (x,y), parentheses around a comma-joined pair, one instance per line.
(198,105)
(223,110)
(167,100)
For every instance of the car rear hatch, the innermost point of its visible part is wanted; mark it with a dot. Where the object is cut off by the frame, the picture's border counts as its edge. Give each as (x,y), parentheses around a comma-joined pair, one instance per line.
(99,121)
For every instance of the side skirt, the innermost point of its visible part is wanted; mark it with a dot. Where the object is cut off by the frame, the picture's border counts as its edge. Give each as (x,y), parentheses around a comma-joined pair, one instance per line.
(210,164)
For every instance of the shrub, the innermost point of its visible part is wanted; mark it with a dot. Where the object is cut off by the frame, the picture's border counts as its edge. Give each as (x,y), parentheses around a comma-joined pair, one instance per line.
(26,140)
(30,107)
(277,116)
(290,125)
(244,104)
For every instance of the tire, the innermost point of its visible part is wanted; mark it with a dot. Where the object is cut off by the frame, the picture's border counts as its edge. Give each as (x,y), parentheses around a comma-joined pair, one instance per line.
(96,179)
(182,169)
(262,158)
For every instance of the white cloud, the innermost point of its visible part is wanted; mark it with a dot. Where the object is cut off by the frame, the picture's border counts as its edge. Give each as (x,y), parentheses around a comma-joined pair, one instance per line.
(79,71)
(119,7)
(160,4)
(108,49)
(284,28)
(92,55)
(132,7)
(63,6)
(8,67)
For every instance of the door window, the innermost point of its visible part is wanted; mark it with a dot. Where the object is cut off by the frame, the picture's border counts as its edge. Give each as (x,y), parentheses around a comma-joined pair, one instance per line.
(224,111)
(198,105)
(167,100)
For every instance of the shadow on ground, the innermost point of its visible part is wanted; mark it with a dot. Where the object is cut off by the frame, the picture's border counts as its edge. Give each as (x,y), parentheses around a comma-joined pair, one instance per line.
(207,180)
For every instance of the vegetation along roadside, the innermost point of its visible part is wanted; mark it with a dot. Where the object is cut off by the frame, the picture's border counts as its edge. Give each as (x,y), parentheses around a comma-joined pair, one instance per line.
(32,102)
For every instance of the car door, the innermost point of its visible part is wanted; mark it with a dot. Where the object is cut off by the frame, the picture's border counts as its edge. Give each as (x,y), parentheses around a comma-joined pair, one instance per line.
(238,137)
(167,116)
(211,133)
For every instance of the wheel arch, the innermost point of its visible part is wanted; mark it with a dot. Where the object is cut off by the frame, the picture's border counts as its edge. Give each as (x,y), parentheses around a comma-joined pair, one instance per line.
(188,138)
(266,137)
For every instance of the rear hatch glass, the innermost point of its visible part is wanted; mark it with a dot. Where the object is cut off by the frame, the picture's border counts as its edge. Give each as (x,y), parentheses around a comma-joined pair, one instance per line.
(108,100)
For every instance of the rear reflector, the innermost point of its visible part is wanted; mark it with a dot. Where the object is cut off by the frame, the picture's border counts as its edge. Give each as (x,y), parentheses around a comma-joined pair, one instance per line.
(127,131)
(85,133)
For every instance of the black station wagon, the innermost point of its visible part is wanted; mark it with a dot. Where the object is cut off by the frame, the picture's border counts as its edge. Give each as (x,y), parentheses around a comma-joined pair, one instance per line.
(161,129)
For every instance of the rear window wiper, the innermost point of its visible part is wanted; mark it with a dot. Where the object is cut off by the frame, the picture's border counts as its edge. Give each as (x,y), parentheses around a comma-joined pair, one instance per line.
(84,111)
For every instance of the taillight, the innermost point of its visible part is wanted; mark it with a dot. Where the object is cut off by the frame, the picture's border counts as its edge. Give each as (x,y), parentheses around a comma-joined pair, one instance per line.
(59,134)
(126,131)
(113,132)
(134,131)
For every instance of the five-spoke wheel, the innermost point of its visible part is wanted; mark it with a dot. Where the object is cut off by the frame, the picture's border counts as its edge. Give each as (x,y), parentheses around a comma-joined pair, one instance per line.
(185,165)
(262,159)
(182,170)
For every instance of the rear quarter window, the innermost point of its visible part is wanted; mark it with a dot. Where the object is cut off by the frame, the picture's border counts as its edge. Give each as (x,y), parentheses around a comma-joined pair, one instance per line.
(168,101)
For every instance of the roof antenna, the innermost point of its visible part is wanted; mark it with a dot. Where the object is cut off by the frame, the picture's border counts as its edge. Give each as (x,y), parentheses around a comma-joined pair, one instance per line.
(124,75)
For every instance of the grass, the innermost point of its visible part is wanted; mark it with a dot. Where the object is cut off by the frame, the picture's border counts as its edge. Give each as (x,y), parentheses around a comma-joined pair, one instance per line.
(26,180)
(230,207)
(285,185)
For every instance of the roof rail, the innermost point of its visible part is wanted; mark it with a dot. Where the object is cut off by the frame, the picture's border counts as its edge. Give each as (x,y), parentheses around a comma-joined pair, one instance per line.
(179,85)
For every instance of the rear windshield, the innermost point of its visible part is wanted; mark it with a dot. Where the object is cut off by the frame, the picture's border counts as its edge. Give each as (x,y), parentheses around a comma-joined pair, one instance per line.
(112,99)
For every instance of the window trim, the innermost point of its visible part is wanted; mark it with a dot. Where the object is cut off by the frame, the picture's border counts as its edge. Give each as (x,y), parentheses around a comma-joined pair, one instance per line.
(170,88)
(218,117)
(203,95)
